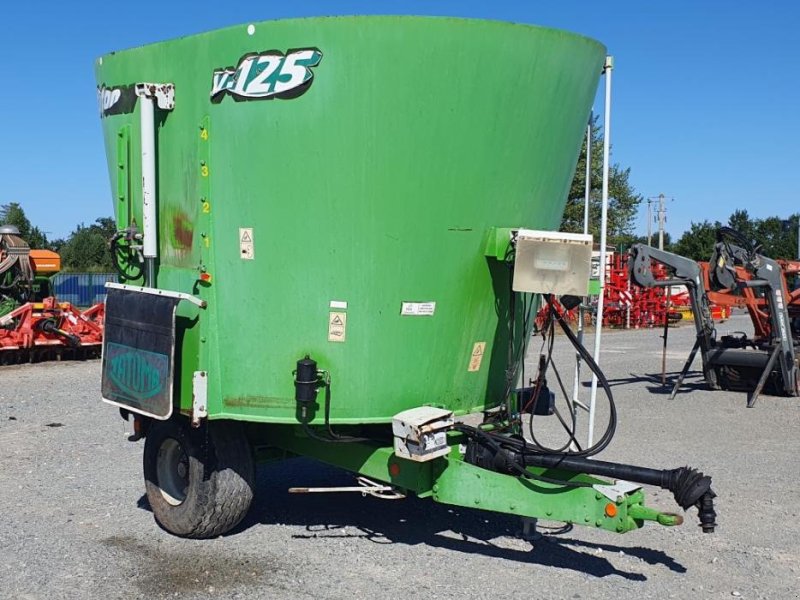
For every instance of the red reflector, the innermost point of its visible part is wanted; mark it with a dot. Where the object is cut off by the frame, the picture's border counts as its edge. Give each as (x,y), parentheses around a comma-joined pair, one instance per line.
(205,277)
(394,469)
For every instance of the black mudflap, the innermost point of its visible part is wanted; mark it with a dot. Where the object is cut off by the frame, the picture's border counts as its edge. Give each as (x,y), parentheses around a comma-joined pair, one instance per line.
(139,351)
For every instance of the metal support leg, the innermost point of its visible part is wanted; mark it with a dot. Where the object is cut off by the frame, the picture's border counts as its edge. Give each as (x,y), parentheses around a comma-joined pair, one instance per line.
(664,347)
(529,531)
(685,370)
(751,402)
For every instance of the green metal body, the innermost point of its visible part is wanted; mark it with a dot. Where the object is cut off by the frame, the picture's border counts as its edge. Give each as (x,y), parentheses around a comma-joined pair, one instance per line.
(393,175)
(378,185)
(450,480)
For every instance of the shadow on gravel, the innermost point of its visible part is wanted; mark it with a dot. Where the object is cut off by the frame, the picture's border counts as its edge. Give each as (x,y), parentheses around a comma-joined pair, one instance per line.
(693,381)
(416,521)
(648,555)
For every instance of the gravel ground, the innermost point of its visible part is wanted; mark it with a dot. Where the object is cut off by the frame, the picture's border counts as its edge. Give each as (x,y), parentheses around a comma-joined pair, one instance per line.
(75,524)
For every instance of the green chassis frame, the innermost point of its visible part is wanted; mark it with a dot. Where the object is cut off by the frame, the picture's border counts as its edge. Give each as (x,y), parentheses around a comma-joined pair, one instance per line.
(451,480)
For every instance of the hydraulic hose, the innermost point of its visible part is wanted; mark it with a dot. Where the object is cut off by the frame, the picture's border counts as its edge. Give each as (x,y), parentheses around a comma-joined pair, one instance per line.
(611,426)
(689,486)
(129,270)
(51,327)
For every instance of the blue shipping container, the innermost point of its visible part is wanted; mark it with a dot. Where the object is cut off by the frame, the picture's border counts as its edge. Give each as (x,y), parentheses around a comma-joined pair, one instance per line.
(81,289)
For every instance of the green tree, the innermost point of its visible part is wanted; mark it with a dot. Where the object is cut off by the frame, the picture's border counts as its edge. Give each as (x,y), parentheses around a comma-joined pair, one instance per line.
(698,242)
(87,247)
(623,201)
(624,242)
(740,221)
(777,236)
(56,244)
(106,225)
(13,214)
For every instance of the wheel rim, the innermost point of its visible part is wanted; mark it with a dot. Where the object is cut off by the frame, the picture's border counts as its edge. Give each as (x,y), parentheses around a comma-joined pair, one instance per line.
(172,469)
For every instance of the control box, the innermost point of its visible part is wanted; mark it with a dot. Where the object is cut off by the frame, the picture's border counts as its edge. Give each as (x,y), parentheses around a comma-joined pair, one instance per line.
(420,434)
(552,262)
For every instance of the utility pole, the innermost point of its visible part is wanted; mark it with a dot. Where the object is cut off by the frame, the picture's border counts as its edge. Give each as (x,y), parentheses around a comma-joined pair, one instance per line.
(661,214)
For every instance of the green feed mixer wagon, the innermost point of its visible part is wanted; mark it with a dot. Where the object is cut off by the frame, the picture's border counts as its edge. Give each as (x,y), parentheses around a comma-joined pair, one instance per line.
(332,233)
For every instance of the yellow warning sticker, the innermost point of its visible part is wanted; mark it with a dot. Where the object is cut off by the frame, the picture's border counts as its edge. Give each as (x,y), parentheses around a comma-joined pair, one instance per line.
(337,326)
(476,358)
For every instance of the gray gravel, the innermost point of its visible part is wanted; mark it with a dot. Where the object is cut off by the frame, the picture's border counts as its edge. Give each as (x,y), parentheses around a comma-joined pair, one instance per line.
(74,524)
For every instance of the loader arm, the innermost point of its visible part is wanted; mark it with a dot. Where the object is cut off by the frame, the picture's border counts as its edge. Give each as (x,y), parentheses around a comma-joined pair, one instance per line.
(687,273)
(766,275)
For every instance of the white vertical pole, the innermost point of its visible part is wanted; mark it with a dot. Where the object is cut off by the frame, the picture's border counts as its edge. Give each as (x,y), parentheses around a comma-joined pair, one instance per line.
(586,196)
(147,126)
(608,67)
(588,185)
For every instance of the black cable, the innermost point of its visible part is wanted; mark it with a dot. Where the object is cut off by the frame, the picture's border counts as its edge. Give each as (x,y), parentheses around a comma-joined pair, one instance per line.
(516,356)
(608,434)
(511,364)
(119,253)
(549,334)
(570,430)
(525,314)
(611,427)
(320,379)
(335,437)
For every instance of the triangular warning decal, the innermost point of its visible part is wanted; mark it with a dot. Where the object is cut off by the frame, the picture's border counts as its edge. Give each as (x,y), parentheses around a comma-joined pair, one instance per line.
(246,237)
(336,320)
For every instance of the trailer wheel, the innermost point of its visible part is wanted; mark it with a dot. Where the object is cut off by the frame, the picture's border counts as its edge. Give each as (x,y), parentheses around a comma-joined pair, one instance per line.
(199,482)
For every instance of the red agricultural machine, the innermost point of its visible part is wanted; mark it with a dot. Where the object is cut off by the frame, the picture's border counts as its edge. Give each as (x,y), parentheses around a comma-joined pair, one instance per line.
(630,306)
(34,326)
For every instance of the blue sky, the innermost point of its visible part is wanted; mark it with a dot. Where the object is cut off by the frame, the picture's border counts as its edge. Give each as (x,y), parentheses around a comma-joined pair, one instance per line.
(705,93)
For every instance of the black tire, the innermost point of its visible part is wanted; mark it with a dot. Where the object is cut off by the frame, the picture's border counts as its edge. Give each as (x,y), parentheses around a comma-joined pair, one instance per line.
(199,482)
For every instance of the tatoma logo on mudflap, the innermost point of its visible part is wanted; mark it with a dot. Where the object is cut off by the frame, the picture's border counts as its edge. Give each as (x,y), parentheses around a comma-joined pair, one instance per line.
(266,75)
(134,375)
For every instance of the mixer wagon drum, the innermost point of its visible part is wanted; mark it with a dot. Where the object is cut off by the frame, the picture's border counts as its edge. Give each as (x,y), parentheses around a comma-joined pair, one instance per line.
(317,234)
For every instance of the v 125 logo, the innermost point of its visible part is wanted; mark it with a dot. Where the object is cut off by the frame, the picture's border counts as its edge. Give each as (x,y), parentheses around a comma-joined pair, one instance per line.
(267,75)
(117,100)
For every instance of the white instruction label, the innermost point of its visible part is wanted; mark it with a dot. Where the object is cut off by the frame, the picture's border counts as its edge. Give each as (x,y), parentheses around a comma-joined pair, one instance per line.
(247,249)
(337,326)
(476,358)
(418,309)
